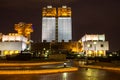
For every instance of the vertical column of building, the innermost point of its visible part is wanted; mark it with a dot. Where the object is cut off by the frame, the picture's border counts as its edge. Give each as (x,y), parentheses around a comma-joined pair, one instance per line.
(56,31)
(64,24)
(48,23)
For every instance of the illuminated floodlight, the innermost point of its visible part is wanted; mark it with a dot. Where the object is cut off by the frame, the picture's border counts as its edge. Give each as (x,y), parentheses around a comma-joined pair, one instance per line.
(94,42)
(88,45)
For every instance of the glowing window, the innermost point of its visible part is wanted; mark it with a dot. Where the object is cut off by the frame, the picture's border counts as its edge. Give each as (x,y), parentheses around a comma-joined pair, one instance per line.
(6,52)
(89,52)
(11,52)
(101,52)
(16,51)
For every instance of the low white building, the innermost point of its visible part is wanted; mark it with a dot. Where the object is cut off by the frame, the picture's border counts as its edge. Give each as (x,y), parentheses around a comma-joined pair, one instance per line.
(12,44)
(94,45)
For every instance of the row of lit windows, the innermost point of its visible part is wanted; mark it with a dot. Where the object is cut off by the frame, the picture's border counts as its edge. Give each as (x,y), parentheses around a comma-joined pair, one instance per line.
(90,45)
(95,53)
(99,52)
(49,11)
(10,52)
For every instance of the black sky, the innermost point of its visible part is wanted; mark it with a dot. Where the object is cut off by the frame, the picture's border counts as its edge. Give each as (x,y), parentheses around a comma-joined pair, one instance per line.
(88,17)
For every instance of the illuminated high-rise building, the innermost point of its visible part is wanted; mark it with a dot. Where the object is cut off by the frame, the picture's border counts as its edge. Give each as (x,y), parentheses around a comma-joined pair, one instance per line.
(64,24)
(56,24)
(48,23)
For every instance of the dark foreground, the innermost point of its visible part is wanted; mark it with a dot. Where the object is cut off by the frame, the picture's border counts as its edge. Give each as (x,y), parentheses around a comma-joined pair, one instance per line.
(81,74)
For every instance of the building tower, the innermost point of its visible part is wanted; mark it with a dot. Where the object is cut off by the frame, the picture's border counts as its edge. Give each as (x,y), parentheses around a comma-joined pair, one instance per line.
(25,30)
(48,23)
(56,24)
(64,24)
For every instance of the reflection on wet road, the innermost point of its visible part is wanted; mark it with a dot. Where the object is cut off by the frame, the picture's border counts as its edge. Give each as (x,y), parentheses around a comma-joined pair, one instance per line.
(81,74)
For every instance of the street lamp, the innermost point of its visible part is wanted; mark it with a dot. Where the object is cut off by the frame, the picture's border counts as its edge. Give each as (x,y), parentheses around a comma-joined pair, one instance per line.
(86,59)
(88,46)
(65,64)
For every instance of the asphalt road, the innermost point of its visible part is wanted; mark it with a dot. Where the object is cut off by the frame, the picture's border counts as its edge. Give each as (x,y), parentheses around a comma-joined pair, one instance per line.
(81,74)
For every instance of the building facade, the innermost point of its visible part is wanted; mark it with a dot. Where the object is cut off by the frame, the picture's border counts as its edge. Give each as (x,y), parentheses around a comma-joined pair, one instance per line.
(95,45)
(12,44)
(48,23)
(56,24)
(64,24)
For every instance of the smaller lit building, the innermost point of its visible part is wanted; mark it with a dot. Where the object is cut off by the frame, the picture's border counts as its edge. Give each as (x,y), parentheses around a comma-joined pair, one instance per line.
(12,44)
(94,45)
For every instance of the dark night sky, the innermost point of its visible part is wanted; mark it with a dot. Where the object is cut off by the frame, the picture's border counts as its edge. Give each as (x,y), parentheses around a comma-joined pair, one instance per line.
(88,17)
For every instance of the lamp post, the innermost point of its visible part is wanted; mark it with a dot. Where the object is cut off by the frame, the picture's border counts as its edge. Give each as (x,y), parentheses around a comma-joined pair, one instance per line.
(88,46)
(86,58)
(95,48)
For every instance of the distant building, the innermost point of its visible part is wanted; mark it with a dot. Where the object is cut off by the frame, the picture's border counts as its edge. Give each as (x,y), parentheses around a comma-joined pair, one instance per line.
(48,23)
(64,24)
(95,45)
(56,24)
(12,44)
